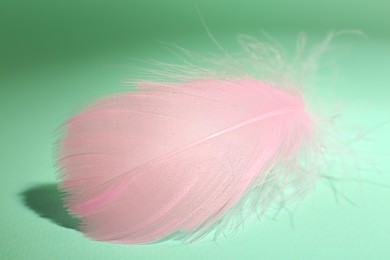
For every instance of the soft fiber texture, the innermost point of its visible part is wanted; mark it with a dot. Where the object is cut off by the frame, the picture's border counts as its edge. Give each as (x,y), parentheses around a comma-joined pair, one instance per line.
(173,160)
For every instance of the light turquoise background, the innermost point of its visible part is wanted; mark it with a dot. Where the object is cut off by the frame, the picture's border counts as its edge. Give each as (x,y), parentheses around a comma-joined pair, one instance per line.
(56,56)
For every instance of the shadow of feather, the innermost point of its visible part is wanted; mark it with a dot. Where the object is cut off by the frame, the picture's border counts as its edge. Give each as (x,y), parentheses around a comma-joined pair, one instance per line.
(45,200)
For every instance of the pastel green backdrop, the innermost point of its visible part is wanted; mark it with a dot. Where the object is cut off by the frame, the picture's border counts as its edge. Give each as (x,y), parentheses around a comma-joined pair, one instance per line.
(56,56)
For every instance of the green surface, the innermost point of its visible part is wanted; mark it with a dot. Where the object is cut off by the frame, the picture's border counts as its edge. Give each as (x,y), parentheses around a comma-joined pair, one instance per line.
(56,56)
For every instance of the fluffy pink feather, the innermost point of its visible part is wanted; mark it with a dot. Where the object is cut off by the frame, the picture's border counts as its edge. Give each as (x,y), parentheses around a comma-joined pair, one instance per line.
(178,159)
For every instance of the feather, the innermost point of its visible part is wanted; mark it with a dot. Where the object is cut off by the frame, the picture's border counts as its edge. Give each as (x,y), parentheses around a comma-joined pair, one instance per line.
(143,165)
(181,159)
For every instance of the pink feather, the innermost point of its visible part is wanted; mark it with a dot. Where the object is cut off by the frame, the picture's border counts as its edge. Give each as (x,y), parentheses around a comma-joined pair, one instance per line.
(175,160)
